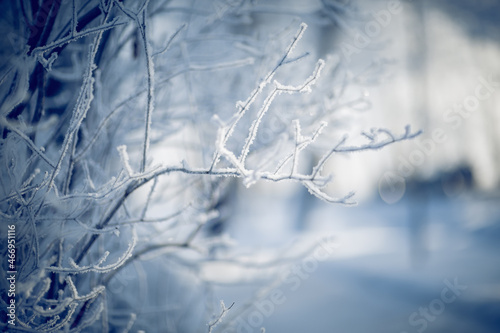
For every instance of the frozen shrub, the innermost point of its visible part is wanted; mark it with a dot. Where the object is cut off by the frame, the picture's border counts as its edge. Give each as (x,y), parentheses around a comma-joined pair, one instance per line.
(123,123)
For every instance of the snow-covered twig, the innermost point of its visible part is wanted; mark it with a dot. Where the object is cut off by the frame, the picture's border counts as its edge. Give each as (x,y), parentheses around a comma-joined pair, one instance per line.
(219,318)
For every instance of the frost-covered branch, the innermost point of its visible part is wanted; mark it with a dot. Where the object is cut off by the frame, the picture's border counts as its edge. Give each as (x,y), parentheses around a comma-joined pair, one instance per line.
(243,106)
(219,318)
(141,22)
(98,268)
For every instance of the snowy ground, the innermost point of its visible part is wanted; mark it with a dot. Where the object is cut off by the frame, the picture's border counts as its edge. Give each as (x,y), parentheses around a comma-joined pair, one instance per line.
(381,277)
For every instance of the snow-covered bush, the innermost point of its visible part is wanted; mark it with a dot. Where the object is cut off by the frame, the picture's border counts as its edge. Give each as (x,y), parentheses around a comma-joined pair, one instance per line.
(123,125)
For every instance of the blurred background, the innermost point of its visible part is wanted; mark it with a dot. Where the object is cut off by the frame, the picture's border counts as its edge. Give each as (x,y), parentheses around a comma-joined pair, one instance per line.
(428,209)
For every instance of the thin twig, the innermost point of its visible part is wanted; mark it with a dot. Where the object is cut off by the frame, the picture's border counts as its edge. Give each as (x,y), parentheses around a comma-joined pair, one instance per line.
(217,320)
